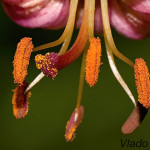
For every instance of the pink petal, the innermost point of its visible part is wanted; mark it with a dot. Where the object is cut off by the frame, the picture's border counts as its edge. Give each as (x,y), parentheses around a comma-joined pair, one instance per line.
(140,7)
(39,13)
(126,23)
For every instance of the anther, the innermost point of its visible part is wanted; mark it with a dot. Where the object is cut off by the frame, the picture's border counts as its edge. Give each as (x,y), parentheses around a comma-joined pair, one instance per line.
(21,59)
(143,88)
(135,119)
(93,60)
(142,82)
(73,123)
(20,101)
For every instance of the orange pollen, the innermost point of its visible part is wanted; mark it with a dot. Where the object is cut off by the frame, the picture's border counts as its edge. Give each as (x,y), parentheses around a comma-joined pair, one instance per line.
(21,59)
(20,100)
(93,59)
(142,82)
(40,58)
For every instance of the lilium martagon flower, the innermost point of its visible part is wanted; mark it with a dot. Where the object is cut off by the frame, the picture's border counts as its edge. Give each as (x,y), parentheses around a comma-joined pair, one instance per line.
(128,17)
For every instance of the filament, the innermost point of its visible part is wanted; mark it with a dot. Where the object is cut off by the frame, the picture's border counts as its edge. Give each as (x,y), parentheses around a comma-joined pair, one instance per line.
(91,8)
(66,43)
(81,80)
(116,72)
(108,34)
(69,27)
(35,81)
(91,12)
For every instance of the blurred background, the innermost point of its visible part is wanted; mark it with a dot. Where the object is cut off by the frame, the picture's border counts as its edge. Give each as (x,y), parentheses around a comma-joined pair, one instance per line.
(52,102)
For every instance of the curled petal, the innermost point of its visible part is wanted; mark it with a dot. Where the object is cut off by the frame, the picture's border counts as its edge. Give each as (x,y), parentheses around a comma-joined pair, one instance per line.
(141,6)
(38,13)
(126,22)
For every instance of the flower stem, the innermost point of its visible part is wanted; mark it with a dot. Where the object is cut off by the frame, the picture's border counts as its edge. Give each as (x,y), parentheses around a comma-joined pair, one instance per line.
(108,34)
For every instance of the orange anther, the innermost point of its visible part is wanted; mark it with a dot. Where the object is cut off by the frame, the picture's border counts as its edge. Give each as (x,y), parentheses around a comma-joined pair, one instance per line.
(142,82)
(93,59)
(21,59)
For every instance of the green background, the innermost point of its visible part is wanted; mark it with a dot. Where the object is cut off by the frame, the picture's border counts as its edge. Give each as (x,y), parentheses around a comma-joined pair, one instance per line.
(106,105)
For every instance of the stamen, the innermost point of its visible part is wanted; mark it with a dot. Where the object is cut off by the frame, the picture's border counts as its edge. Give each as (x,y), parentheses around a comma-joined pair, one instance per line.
(108,34)
(117,74)
(21,59)
(77,115)
(73,123)
(20,101)
(142,82)
(91,8)
(68,29)
(93,61)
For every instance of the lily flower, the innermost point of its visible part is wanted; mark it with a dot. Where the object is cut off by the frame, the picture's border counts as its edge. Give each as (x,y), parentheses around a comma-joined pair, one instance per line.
(129,17)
